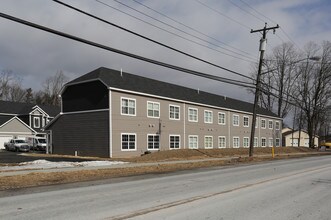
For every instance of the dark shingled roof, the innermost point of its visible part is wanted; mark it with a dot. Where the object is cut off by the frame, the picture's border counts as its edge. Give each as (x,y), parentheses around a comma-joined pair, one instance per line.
(19,108)
(5,118)
(113,78)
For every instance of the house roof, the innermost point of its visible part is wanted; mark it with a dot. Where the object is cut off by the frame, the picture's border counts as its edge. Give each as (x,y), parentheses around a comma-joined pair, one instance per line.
(5,118)
(19,108)
(126,81)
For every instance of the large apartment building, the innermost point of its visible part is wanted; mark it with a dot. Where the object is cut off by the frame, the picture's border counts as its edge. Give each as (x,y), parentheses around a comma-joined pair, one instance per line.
(110,113)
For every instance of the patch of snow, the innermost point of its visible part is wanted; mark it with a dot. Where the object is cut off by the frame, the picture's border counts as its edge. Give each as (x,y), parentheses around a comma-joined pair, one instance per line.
(45,164)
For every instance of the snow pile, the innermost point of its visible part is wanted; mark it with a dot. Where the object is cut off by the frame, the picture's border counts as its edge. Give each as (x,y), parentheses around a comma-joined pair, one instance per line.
(45,164)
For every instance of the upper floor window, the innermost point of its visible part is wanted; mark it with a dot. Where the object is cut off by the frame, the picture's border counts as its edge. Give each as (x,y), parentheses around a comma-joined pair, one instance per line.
(277,125)
(270,124)
(153,109)
(263,125)
(235,120)
(208,116)
(174,112)
(221,118)
(246,121)
(128,106)
(193,114)
(36,122)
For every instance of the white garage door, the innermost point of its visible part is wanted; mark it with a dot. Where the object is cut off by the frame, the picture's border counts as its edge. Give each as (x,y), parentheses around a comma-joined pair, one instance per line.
(3,139)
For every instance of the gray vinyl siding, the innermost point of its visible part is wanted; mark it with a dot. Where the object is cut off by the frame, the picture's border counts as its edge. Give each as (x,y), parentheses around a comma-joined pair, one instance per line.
(86,133)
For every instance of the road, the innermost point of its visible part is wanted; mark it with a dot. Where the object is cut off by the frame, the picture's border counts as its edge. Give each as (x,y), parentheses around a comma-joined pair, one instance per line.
(284,189)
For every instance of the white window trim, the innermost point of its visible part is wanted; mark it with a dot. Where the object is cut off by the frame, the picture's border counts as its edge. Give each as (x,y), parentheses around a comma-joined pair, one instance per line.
(277,122)
(34,122)
(156,149)
(212,142)
(265,124)
(193,136)
(247,142)
(151,102)
(176,119)
(233,120)
(277,145)
(270,139)
(244,117)
(176,135)
(272,124)
(257,142)
(135,106)
(204,116)
(233,142)
(135,142)
(219,143)
(221,113)
(188,114)
(265,142)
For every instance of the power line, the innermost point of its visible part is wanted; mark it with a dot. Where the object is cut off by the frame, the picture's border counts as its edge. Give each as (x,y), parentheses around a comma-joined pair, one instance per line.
(189,27)
(187,39)
(222,14)
(149,39)
(94,44)
(246,11)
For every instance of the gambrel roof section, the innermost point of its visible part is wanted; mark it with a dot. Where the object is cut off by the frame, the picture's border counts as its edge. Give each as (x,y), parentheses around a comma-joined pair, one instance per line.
(126,81)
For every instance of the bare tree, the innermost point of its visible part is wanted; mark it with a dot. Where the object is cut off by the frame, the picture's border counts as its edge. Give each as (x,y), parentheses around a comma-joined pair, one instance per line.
(11,87)
(6,77)
(313,87)
(51,89)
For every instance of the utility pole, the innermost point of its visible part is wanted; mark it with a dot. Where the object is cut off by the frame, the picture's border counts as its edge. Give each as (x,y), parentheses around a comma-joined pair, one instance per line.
(263,43)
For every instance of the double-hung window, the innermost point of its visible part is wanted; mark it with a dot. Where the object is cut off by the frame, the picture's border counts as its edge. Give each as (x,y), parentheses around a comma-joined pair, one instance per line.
(221,118)
(208,142)
(270,124)
(246,142)
(235,120)
(36,122)
(271,142)
(246,121)
(263,125)
(128,142)
(153,109)
(277,142)
(236,142)
(153,142)
(208,116)
(192,114)
(263,142)
(174,112)
(256,142)
(174,141)
(128,106)
(193,141)
(222,142)
(277,125)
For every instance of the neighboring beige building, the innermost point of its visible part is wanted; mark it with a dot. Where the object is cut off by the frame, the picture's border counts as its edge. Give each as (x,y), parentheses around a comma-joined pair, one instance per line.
(109,113)
(291,138)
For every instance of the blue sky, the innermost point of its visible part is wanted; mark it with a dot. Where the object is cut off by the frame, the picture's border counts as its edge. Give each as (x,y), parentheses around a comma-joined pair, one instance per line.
(35,55)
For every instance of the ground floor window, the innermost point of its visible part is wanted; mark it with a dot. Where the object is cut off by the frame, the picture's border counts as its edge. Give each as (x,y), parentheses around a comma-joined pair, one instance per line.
(246,142)
(128,142)
(277,142)
(193,141)
(174,141)
(256,144)
(222,142)
(271,142)
(153,142)
(236,142)
(208,142)
(263,142)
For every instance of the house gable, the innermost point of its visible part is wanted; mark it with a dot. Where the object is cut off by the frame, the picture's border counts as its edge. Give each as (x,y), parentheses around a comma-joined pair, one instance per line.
(16,125)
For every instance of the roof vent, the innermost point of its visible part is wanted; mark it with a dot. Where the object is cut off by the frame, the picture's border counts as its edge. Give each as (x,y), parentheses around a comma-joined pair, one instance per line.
(121,73)
(224,97)
(198,91)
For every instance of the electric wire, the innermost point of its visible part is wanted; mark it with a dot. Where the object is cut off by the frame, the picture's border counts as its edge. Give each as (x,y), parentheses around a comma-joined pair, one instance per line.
(248,12)
(189,27)
(149,39)
(177,29)
(222,14)
(94,44)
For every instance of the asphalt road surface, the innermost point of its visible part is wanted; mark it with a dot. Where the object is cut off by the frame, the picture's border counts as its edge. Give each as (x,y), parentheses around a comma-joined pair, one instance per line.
(286,189)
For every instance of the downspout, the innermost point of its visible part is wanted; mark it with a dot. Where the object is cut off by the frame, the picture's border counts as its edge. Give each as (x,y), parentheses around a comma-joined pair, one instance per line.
(110,126)
(184,112)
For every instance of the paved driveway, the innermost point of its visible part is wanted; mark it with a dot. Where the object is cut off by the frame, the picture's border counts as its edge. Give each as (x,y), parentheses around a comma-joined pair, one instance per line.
(18,157)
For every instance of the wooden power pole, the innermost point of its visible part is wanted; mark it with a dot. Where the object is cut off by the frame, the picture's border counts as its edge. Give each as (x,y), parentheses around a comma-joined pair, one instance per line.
(263,43)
